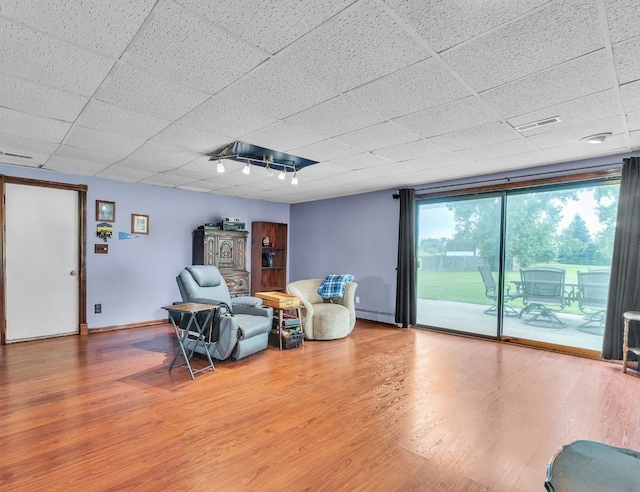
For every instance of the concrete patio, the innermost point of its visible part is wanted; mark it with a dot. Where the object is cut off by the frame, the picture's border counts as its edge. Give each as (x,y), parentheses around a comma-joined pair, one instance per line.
(471,318)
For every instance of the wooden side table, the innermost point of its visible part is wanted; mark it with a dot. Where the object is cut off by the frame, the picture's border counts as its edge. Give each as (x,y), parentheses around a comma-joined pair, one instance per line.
(629,316)
(193,335)
(280,312)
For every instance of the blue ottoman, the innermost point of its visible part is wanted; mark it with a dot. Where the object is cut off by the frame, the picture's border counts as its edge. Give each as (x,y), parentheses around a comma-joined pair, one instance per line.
(592,466)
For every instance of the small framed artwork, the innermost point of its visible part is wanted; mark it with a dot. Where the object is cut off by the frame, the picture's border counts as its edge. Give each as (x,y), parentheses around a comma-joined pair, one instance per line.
(105,211)
(139,224)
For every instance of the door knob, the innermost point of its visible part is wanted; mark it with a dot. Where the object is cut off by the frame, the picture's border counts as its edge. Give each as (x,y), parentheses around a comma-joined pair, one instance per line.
(73,273)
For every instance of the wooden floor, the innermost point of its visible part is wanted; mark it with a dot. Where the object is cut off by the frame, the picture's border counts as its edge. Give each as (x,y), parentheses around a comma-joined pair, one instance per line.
(384,409)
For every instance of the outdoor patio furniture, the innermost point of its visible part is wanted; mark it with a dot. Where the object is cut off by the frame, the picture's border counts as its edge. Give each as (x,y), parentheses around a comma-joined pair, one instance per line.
(593,290)
(542,288)
(491,292)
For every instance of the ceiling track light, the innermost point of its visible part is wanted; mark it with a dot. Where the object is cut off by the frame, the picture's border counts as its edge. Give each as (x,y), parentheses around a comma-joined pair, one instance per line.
(266,161)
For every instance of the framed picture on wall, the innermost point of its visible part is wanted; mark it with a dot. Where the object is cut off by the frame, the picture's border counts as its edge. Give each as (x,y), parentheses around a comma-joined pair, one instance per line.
(105,211)
(139,224)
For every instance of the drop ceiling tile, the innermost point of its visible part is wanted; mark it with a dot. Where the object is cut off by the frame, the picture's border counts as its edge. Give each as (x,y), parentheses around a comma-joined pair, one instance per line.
(563,31)
(191,174)
(442,173)
(136,90)
(150,166)
(574,134)
(179,46)
(31,97)
(32,126)
(101,141)
(476,137)
(508,162)
(26,145)
(287,19)
(335,117)
(223,115)
(432,162)
(578,78)
(376,172)
(282,136)
(581,150)
(279,89)
(321,170)
(375,137)
(170,181)
(104,116)
(357,46)
(74,166)
(623,18)
(423,85)
(202,166)
(635,140)
(192,139)
(593,106)
(102,157)
(510,147)
(633,120)
(454,116)
(34,56)
(366,160)
(124,173)
(87,23)
(625,57)
(160,154)
(444,25)
(630,96)
(410,150)
(325,150)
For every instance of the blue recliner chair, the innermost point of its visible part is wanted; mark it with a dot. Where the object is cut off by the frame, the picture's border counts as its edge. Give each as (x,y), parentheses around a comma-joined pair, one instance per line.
(243,326)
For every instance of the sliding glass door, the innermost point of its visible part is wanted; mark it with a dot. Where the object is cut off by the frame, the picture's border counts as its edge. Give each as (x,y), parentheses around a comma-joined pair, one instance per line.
(527,265)
(458,264)
(558,251)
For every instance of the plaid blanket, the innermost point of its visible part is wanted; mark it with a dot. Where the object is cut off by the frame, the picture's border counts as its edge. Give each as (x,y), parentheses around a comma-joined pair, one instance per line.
(333,286)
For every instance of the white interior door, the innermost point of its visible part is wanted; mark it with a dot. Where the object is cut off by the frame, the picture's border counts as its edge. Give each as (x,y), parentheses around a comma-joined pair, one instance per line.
(41,255)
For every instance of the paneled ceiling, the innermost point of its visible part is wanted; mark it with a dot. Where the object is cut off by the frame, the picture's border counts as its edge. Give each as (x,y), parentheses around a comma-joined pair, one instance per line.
(383,93)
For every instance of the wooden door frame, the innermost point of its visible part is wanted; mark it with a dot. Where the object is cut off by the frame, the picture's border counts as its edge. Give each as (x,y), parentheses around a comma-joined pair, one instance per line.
(82,234)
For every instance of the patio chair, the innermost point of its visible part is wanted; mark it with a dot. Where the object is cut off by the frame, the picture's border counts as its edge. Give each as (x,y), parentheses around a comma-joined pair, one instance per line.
(542,288)
(593,290)
(491,292)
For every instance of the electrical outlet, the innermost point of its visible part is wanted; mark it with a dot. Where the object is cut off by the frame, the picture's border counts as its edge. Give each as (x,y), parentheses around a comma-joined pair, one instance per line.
(357,300)
(98,308)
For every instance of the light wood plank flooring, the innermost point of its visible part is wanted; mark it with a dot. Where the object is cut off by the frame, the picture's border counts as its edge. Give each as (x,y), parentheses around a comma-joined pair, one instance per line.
(382,410)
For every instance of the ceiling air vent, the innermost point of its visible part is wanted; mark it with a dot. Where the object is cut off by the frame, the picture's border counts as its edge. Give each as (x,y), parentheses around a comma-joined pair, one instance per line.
(9,154)
(538,124)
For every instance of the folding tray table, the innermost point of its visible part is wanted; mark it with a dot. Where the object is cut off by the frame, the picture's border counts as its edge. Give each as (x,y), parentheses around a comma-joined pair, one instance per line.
(193,335)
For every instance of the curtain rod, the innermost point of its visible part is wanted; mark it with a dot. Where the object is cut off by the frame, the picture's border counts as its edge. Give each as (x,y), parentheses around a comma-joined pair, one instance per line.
(613,167)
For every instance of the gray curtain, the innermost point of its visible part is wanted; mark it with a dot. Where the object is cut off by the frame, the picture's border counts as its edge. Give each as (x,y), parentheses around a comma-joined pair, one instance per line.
(624,289)
(406,271)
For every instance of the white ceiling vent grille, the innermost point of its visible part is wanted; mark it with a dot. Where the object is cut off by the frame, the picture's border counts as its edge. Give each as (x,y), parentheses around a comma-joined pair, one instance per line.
(538,124)
(9,154)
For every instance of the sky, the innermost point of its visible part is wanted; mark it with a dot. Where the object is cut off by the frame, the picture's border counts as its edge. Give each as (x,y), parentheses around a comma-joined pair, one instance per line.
(438,222)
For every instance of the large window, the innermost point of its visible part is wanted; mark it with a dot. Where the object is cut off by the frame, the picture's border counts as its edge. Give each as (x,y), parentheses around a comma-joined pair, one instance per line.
(528,265)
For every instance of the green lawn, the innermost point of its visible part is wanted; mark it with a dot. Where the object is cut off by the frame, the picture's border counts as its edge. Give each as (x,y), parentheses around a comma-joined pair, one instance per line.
(468,286)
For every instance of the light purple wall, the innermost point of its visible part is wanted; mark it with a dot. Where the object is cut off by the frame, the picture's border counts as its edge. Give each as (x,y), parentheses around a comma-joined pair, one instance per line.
(137,276)
(356,234)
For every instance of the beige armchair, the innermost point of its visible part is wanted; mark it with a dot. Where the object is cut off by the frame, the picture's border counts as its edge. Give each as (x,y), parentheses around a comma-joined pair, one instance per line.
(324,320)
